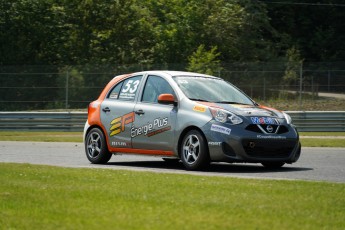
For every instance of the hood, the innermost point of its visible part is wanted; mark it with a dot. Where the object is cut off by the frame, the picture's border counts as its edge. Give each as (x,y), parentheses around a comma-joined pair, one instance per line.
(251,110)
(248,110)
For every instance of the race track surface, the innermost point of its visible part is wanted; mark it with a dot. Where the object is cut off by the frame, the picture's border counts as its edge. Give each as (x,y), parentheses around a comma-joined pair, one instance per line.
(315,164)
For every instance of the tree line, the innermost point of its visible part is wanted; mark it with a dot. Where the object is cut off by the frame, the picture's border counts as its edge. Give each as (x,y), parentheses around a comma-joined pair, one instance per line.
(70,32)
(128,35)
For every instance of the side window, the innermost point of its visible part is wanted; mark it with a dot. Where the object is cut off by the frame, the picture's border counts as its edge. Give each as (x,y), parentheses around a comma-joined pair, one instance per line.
(114,93)
(154,87)
(126,90)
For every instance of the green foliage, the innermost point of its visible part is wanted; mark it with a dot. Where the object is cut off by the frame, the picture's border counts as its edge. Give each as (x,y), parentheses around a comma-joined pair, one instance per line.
(203,61)
(130,31)
(293,65)
(158,34)
(148,32)
(316,29)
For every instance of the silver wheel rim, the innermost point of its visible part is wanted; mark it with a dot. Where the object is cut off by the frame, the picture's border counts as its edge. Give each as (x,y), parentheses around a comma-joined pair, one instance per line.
(191,149)
(94,145)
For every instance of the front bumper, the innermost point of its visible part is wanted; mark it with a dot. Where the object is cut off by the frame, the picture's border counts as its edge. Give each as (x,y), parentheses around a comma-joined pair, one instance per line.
(245,144)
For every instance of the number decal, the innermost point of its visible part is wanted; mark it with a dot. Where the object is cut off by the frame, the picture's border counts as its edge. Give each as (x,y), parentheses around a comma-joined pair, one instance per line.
(135,86)
(131,86)
(127,86)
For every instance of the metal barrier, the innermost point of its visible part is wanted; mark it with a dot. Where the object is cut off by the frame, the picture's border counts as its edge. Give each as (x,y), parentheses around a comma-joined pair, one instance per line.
(74,121)
(43,121)
(318,121)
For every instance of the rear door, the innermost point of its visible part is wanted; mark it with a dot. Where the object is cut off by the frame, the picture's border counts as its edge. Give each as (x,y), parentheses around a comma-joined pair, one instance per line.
(117,114)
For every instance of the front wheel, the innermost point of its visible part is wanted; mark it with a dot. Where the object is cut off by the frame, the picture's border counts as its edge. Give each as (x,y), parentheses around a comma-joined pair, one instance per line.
(96,147)
(194,151)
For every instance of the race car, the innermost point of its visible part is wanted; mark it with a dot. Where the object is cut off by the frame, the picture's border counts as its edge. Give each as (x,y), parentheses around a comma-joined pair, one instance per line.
(191,117)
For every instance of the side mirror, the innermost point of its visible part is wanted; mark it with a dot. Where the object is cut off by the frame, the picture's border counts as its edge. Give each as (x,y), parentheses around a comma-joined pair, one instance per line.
(166,99)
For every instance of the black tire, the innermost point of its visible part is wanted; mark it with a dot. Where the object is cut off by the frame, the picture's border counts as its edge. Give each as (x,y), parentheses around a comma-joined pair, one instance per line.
(194,151)
(96,147)
(171,160)
(273,165)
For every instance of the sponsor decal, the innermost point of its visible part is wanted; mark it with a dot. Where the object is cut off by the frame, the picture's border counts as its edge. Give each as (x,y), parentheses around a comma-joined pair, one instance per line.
(271,137)
(158,131)
(214,143)
(119,143)
(264,121)
(220,129)
(157,126)
(199,108)
(114,95)
(118,124)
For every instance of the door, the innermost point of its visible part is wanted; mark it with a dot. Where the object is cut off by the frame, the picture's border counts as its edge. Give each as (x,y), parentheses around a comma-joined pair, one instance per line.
(117,114)
(153,128)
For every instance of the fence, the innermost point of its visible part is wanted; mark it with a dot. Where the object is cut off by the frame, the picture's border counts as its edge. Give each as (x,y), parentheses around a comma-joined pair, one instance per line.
(74,121)
(60,87)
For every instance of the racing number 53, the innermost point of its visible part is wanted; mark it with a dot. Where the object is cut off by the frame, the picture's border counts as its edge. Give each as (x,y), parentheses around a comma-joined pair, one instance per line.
(131,86)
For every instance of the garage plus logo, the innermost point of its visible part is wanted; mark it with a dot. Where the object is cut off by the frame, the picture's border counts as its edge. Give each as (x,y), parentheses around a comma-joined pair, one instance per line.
(118,124)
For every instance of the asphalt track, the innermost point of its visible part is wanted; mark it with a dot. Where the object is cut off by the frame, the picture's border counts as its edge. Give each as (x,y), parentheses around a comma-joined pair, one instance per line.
(315,164)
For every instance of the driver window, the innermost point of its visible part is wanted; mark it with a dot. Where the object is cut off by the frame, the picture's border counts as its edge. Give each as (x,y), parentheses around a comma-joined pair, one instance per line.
(154,87)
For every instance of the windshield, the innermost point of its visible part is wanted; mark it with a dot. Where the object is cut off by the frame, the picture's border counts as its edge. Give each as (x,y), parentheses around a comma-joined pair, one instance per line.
(211,90)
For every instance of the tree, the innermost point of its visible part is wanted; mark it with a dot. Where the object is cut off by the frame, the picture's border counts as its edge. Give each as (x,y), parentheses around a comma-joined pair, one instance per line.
(293,65)
(203,61)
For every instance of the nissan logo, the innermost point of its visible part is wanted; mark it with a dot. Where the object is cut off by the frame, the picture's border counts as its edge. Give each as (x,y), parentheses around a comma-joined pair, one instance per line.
(269,128)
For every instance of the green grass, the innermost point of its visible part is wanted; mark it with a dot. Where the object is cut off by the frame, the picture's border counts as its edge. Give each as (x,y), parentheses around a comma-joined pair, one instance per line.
(320,142)
(338,134)
(41,136)
(44,197)
(78,137)
(328,139)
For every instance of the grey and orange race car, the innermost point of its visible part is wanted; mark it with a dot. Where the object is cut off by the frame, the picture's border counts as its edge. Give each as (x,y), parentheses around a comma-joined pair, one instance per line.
(191,117)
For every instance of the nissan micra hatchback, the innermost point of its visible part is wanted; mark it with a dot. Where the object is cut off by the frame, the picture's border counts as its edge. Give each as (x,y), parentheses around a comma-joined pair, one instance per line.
(192,117)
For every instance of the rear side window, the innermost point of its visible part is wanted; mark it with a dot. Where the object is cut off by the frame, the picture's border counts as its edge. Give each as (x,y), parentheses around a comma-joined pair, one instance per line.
(126,90)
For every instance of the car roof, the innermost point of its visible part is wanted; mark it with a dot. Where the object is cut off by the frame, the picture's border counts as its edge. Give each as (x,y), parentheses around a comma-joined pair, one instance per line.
(177,73)
(170,73)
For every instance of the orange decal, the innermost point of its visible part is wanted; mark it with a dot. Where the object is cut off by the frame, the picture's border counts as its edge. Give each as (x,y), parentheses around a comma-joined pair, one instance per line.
(200,109)
(118,124)
(143,151)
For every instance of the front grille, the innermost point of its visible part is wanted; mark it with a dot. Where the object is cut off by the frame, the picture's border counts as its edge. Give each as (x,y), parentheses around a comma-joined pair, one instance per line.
(268,149)
(276,129)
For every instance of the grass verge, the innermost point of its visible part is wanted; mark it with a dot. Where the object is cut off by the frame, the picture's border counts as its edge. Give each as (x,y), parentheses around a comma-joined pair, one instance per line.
(326,141)
(44,197)
(41,136)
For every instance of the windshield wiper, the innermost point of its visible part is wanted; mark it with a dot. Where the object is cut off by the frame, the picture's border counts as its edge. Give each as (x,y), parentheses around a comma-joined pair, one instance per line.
(197,99)
(230,102)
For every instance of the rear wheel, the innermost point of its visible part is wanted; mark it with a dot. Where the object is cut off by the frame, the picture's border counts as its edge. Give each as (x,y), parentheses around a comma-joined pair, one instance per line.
(194,151)
(273,165)
(96,147)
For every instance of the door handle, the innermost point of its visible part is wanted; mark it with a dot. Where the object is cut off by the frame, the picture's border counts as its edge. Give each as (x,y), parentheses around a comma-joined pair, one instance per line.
(140,112)
(106,109)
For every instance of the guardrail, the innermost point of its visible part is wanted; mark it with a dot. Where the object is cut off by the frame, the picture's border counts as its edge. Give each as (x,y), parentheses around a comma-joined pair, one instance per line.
(43,121)
(316,121)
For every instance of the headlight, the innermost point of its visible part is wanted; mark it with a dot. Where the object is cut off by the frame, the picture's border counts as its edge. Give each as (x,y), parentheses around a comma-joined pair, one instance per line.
(287,118)
(224,116)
